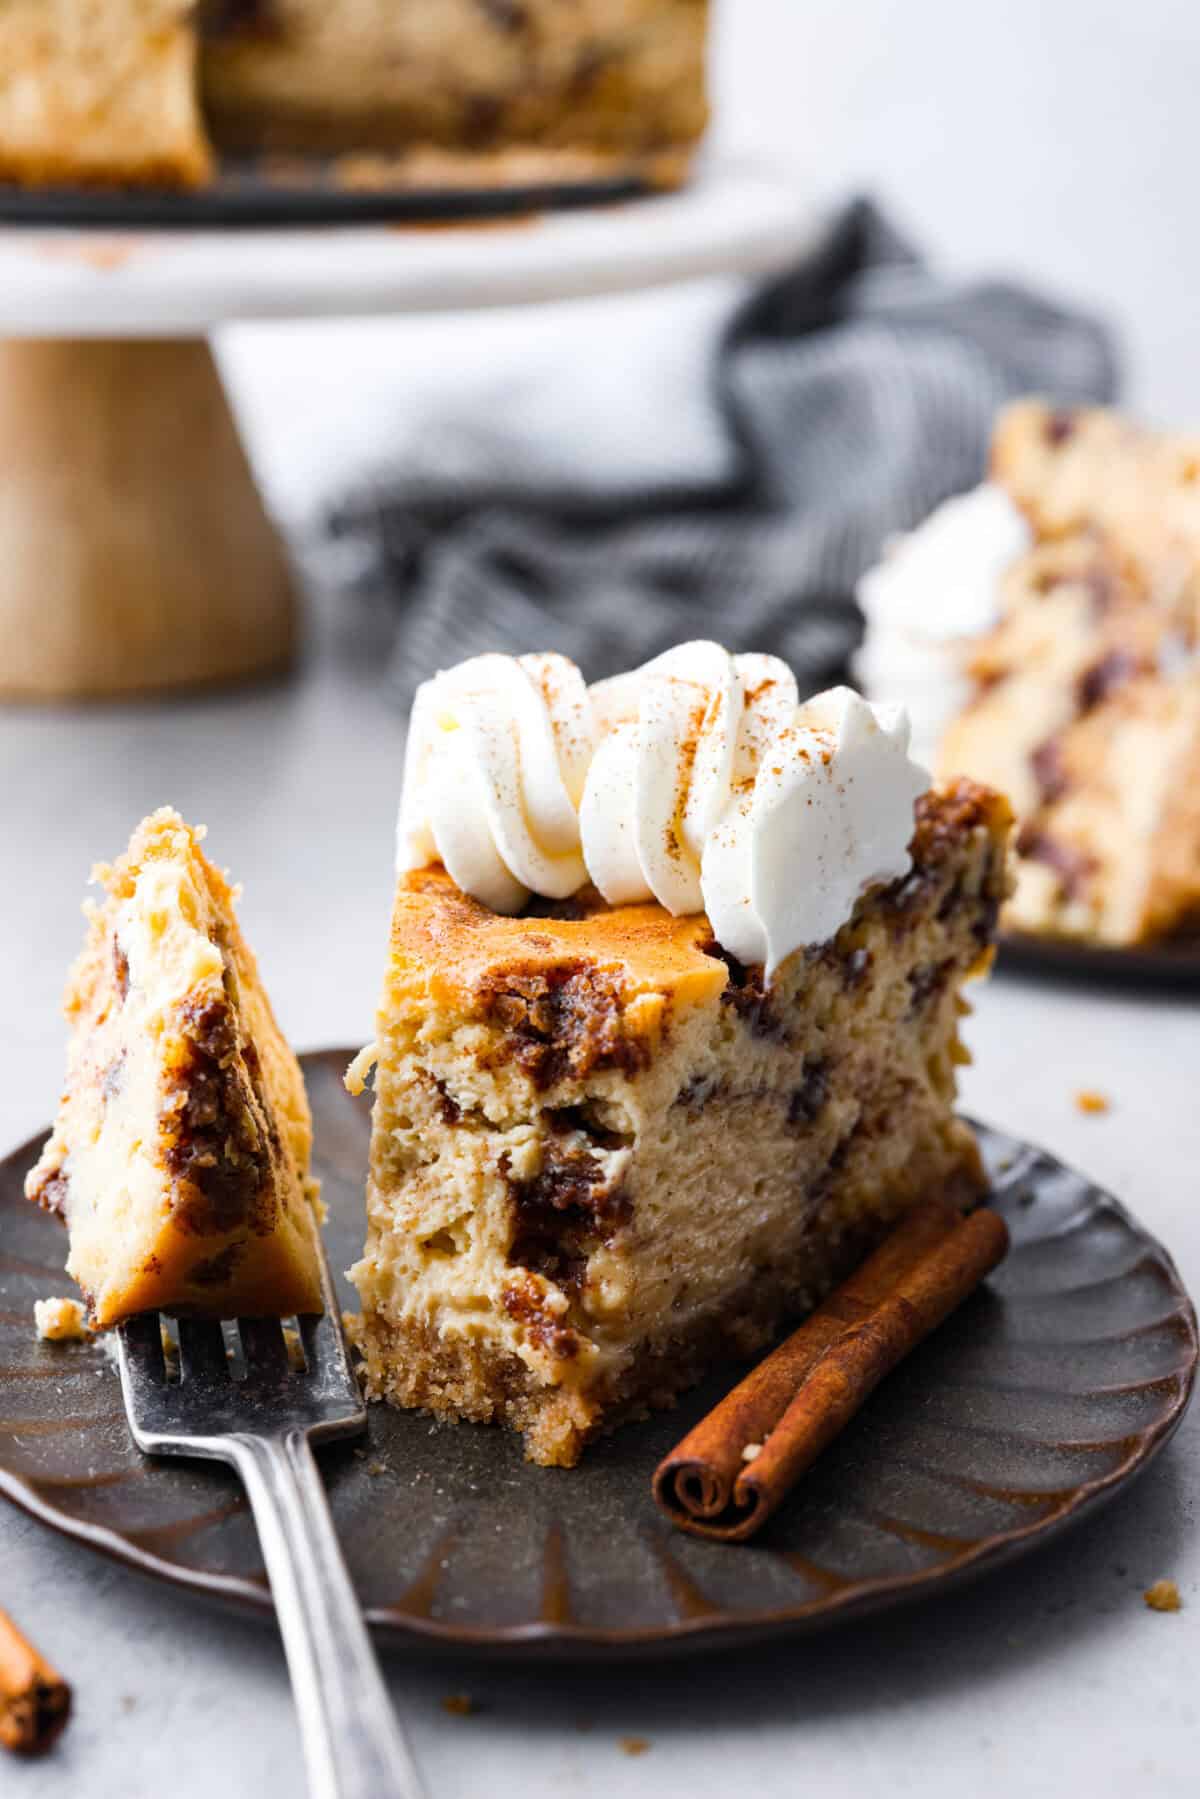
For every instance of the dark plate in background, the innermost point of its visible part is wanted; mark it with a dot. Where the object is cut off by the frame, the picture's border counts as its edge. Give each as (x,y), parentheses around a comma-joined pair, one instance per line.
(1046,1393)
(1170,965)
(303,191)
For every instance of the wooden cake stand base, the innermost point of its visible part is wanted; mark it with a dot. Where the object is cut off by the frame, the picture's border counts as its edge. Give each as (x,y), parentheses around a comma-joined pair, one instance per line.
(135,551)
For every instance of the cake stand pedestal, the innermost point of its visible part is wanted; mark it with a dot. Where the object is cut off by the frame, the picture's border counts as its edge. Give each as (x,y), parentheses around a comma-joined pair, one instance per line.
(135,551)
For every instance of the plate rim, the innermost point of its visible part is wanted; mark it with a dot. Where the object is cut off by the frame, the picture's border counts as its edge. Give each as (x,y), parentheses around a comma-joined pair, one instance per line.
(544,1638)
(1069,958)
(249,198)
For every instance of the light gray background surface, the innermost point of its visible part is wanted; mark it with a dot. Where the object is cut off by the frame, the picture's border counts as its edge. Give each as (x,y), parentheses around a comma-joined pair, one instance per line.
(1054,140)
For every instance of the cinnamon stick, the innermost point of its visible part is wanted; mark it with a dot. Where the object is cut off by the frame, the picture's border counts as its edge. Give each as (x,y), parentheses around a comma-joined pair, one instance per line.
(35,1700)
(729,1474)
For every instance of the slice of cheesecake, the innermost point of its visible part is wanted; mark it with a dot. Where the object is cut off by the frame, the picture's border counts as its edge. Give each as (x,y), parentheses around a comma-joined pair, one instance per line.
(100,91)
(1084,703)
(605,1153)
(179,1159)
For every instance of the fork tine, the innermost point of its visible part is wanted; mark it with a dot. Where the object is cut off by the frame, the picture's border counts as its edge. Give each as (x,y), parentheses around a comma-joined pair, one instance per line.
(262,1340)
(325,1347)
(202,1349)
(141,1337)
(329,1366)
(139,1346)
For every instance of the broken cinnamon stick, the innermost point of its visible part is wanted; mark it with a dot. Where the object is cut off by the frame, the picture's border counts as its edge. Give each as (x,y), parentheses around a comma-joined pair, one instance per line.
(35,1700)
(729,1474)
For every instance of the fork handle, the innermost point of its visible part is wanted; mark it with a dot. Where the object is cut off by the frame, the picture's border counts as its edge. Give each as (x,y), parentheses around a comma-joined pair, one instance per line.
(354,1747)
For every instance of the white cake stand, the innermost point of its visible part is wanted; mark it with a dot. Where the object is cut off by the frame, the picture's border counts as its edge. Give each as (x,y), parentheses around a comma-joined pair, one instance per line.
(135,552)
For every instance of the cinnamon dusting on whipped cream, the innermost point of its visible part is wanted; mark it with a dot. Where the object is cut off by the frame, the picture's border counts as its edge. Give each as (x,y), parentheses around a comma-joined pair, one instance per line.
(699,781)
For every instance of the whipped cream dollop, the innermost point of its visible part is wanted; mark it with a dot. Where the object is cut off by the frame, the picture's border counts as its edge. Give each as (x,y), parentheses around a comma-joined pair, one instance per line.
(935,590)
(828,813)
(698,781)
(675,737)
(498,751)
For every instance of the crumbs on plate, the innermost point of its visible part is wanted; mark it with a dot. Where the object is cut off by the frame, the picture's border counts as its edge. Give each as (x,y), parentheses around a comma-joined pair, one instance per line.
(1163,1596)
(60,1320)
(1089,1100)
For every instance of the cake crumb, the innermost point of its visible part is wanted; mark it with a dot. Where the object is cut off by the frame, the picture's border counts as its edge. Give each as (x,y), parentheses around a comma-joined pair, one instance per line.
(1163,1596)
(356,1076)
(60,1320)
(1089,1100)
(751,1451)
(459,1705)
(634,1745)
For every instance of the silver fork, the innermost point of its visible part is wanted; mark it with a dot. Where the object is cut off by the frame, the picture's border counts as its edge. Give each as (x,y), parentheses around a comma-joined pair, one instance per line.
(265,1425)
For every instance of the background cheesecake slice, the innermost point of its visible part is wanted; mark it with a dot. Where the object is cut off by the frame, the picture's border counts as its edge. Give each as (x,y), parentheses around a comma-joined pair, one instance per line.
(606,1154)
(1085,695)
(100,91)
(179,1159)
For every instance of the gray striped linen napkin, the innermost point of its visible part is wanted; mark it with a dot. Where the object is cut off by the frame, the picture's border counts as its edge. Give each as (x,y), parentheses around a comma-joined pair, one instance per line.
(857,391)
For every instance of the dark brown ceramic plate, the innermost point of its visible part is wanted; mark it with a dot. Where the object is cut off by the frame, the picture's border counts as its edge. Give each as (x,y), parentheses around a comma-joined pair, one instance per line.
(1043,1396)
(1167,965)
(310,190)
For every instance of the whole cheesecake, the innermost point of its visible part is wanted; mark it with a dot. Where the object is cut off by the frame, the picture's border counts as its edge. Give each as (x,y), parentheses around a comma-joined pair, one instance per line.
(469,91)
(607,1150)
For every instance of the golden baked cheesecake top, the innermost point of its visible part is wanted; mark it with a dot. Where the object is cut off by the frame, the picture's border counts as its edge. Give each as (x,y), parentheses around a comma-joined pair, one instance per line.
(451,949)
(180,1157)
(455,943)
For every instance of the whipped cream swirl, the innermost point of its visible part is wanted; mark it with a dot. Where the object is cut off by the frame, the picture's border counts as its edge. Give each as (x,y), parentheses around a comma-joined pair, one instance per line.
(829,813)
(675,734)
(498,752)
(697,781)
(937,588)
(675,737)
